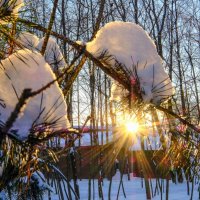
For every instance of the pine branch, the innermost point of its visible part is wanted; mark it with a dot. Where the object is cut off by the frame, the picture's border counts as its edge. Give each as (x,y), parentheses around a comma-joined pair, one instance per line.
(165,110)
(26,94)
(105,69)
(78,47)
(9,123)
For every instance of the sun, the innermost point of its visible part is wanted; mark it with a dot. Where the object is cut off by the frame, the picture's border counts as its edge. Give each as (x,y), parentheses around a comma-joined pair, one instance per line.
(132,126)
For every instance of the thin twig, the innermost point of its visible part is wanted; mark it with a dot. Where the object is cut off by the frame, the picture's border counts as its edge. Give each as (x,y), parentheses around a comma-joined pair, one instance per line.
(49,27)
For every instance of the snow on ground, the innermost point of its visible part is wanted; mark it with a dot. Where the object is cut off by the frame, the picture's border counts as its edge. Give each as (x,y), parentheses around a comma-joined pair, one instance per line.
(133,189)
(26,69)
(131,46)
(2,195)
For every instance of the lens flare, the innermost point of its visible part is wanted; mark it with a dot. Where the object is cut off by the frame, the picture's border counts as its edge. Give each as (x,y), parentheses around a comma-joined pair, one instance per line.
(132,126)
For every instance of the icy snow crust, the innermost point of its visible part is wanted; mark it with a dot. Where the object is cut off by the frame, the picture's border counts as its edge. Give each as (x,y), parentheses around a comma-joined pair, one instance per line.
(26,69)
(130,45)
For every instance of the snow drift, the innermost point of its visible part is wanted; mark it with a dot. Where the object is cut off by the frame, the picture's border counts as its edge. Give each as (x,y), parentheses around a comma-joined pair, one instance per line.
(131,46)
(26,69)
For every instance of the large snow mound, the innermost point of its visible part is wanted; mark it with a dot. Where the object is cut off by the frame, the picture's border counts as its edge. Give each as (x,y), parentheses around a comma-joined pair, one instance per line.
(131,46)
(26,69)
(28,40)
(53,54)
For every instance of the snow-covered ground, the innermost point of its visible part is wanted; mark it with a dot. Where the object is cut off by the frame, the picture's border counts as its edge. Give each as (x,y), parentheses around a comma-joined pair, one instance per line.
(133,190)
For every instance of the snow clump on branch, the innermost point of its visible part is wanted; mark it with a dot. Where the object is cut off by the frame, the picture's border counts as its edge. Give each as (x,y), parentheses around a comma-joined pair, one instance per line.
(53,54)
(27,69)
(28,40)
(131,46)
(9,8)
